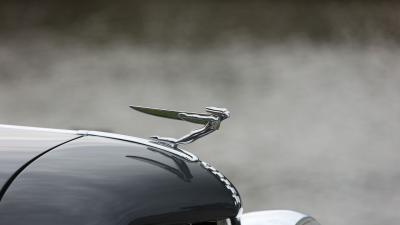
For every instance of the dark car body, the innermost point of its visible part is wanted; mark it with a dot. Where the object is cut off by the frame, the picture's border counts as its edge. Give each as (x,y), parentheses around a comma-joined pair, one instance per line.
(67,177)
(77,177)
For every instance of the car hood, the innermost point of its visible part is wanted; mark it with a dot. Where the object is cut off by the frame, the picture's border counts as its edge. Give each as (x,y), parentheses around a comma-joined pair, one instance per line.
(19,145)
(107,180)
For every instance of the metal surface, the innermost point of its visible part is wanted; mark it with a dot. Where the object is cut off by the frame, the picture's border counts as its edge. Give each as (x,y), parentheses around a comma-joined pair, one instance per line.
(26,131)
(277,217)
(211,122)
(176,151)
(96,180)
(35,133)
(235,194)
(20,145)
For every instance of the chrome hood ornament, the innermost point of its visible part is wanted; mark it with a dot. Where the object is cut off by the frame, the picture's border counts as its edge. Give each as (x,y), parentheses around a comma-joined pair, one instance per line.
(211,121)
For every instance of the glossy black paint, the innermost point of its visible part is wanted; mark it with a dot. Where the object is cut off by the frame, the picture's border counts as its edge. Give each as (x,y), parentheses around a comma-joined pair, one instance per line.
(95,180)
(19,145)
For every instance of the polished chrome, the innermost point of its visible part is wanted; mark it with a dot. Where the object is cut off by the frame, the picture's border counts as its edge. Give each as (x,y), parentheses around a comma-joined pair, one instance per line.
(27,128)
(228,185)
(179,152)
(277,217)
(211,121)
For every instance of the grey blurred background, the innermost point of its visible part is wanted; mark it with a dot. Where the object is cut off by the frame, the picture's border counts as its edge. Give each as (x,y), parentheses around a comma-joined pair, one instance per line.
(313,87)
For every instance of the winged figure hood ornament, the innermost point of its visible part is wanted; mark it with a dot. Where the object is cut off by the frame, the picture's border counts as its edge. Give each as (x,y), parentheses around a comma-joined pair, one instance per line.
(211,120)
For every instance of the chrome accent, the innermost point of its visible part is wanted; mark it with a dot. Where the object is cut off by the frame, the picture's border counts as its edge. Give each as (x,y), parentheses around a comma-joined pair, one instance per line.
(211,121)
(176,151)
(39,129)
(228,185)
(277,217)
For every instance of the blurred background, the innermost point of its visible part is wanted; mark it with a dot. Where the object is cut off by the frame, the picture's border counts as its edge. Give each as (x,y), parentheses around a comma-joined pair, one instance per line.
(313,87)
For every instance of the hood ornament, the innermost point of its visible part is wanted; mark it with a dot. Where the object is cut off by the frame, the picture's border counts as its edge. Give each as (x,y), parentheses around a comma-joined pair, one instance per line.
(211,121)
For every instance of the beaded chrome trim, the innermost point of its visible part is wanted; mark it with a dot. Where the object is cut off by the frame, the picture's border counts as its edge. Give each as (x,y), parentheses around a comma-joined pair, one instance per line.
(225,181)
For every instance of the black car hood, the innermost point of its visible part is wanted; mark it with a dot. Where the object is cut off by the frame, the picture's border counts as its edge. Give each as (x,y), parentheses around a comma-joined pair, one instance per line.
(19,145)
(97,180)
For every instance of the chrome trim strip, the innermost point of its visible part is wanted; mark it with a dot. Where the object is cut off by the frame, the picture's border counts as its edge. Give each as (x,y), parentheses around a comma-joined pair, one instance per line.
(39,129)
(179,152)
(228,185)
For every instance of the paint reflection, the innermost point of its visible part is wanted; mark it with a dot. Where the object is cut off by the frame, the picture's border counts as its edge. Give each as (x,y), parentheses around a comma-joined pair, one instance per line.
(181,170)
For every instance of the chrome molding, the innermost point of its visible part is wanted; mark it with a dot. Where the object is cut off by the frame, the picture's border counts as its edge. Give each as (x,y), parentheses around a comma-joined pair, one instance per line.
(176,151)
(39,129)
(226,182)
